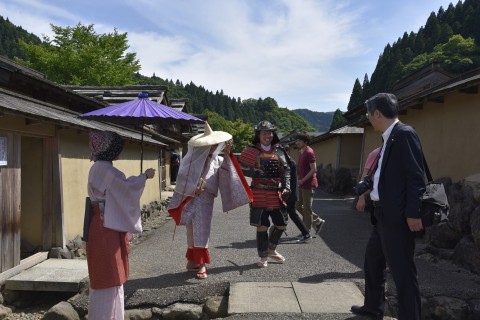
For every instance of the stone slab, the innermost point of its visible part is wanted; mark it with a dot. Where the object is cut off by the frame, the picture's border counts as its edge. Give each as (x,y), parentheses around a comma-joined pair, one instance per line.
(25,264)
(64,275)
(327,297)
(247,297)
(293,297)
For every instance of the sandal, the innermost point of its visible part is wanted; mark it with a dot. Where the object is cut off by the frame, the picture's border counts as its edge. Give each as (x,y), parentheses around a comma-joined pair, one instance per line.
(262,263)
(202,275)
(273,254)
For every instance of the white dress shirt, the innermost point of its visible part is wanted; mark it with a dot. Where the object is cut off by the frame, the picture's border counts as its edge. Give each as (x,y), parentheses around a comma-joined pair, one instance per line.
(376,177)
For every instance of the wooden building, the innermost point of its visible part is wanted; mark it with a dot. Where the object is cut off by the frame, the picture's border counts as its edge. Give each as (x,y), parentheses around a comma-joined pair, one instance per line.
(339,148)
(45,159)
(445,112)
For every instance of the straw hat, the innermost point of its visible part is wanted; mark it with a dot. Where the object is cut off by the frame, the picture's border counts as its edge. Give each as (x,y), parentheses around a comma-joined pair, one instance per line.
(209,137)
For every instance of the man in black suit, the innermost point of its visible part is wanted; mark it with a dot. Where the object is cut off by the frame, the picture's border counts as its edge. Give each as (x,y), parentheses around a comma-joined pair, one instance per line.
(398,185)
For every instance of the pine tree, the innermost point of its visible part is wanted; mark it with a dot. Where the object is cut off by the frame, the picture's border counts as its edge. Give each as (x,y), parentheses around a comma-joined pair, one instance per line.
(338,120)
(356,97)
(366,88)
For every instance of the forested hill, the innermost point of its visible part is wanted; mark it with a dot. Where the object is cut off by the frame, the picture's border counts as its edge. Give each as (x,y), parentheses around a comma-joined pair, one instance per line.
(321,121)
(450,37)
(9,38)
(250,111)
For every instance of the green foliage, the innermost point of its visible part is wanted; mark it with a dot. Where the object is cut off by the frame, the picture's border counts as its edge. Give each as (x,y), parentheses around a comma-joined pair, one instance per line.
(356,97)
(10,36)
(287,121)
(450,37)
(338,120)
(250,111)
(456,56)
(242,132)
(80,56)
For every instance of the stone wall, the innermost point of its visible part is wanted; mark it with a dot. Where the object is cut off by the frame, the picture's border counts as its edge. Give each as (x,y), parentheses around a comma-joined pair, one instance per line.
(461,232)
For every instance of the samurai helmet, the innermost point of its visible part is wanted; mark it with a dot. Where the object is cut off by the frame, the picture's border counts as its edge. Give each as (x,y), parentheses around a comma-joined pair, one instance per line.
(265,125)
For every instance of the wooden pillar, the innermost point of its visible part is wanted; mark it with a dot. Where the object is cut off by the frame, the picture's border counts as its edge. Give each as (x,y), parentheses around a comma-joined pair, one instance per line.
(48,216)
(59,221)
(10,203)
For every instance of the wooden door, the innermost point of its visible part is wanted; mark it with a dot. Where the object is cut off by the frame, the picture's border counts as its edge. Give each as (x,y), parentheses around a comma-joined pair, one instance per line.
(10,201)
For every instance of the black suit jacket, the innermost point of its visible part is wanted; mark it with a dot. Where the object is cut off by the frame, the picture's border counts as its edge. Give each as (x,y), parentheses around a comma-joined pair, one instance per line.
(402,183)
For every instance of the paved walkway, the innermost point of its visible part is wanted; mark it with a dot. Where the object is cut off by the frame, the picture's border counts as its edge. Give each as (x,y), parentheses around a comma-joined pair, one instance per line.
(323,276)
(294,297)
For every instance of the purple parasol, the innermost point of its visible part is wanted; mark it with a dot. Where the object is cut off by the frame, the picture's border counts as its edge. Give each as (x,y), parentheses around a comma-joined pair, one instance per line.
(140,112)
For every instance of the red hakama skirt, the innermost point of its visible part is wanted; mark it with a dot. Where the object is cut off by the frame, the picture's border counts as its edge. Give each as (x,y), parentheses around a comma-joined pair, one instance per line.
(107,254)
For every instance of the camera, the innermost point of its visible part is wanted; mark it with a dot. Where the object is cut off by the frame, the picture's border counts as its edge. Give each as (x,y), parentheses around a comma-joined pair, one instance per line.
(363,186)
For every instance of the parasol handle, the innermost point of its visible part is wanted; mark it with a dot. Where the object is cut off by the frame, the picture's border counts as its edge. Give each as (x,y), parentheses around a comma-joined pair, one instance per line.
(141,151)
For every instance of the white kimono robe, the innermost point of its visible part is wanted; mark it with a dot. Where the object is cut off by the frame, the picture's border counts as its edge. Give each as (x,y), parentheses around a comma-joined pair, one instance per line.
(107,249)
(196,211)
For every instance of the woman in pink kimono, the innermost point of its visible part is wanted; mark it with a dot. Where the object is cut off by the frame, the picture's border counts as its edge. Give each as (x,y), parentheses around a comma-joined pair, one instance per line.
(116,213)
(202,173)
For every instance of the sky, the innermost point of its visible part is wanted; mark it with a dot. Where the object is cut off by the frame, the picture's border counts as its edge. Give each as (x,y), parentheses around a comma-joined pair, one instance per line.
(306,54)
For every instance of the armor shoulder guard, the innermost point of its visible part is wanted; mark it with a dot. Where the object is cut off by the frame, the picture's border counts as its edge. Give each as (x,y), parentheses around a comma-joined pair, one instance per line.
(283,156)
(248,156)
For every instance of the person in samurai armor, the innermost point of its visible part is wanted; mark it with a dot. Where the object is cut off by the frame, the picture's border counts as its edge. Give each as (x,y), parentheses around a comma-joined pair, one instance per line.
(269,166)
(201,175)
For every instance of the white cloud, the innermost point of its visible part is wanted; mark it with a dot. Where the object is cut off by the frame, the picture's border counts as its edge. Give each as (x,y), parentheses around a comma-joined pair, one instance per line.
(156,51)
(277,52)
(302,53)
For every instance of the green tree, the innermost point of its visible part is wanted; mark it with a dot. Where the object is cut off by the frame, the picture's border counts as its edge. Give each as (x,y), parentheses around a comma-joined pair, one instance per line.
(356,97)
(446,32)
(419,42)
(242,132)
(338,120)
(365,88)
(80,56)
(457,55)
(432,32)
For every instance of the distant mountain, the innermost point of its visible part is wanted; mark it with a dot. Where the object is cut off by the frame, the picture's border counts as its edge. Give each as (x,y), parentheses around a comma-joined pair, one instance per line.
(321,121)
(249,111)
(10,36)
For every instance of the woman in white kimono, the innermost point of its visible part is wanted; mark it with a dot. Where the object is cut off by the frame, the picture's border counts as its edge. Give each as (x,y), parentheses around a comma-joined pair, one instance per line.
(202,173)
(116,213)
